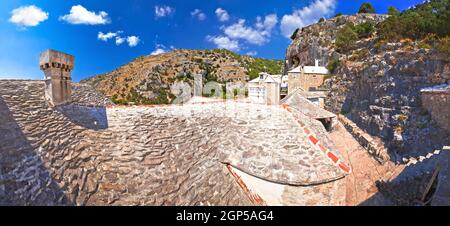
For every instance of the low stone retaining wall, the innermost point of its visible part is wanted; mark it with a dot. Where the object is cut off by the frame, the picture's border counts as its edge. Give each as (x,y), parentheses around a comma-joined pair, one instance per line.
(442,195)
(375,148)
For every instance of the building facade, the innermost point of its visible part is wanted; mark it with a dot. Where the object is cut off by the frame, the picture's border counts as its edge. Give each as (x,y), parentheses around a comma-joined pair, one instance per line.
(265,89)
(308,78)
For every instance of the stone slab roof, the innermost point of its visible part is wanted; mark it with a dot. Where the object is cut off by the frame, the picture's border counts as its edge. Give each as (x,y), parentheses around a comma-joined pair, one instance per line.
(171,155)
(300,103)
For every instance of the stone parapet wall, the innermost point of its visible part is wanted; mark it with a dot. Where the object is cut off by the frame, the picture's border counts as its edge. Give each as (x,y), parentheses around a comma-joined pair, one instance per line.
(442,195)
(374,147)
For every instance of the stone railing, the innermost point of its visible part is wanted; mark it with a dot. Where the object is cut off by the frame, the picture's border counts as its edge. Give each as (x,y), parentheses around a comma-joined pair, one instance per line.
(374,147)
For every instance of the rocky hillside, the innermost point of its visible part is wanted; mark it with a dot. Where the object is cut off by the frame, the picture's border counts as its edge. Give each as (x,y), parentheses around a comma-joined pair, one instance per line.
(375,80)
(158,79)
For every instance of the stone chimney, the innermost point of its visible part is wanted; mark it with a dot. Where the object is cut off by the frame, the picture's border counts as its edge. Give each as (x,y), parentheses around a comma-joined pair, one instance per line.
(198,85)
(57,67)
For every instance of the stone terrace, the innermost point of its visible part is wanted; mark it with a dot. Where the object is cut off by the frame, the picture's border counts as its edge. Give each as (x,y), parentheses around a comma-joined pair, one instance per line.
(173,155)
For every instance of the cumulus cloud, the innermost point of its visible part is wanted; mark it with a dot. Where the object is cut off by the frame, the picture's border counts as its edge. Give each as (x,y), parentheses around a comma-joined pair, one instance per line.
(222,14)
(158,51)
(80,15)
(162,11)
(105,37)
(28,16)
(133,41)
(259,34)
(224,42)
(119,40)
(197,13)
(306,16)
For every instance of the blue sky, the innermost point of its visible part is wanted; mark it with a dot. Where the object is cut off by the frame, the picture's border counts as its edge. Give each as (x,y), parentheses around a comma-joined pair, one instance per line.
(105,34)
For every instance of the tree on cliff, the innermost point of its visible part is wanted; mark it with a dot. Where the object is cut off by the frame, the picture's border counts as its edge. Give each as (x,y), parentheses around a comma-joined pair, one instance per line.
(346,38)
(366,8)
(392,11)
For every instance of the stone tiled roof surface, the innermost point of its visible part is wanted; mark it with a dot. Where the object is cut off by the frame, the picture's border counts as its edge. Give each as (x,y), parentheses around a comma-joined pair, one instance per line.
(300,103)
(80,155)
(84,94)
(48,157)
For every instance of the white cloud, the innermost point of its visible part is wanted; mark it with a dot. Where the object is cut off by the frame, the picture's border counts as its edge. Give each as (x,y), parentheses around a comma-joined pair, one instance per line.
(162,11)
(119,40)
(251,53)
(133,41)
(28,16)
(258,35)
(197,13)
(158,51)
(80,15)
(105,37)
(224,42)
(160,48)
(306,16)
(222,14)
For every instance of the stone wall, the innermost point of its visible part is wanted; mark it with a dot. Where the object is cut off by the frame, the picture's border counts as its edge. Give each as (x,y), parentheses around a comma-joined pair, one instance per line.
(438,104)
(374,146)
(311,81)
(442,195)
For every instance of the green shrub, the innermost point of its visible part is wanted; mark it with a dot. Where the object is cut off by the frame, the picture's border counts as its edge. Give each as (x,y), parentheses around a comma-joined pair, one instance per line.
(392,11)
(366,8)
(321,20)
(346,38)
(338,14)
(364,30)
(359,54)
(444,45)
(333,65)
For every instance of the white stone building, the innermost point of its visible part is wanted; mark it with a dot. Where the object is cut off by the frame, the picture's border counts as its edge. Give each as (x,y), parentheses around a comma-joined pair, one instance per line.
(265,89)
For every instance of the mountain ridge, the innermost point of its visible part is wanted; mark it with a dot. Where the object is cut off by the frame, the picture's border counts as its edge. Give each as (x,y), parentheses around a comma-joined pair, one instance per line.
(148,79)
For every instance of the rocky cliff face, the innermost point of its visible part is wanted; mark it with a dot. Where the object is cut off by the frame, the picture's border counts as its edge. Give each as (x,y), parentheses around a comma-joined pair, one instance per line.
(158,79)
(378,87)
(316,41)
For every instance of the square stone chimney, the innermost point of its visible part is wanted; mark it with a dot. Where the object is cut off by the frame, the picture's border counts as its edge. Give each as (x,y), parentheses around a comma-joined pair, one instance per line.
(198,85)
(57,67)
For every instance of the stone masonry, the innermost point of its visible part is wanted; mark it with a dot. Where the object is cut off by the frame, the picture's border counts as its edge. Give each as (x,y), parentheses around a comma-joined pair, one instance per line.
(437,101)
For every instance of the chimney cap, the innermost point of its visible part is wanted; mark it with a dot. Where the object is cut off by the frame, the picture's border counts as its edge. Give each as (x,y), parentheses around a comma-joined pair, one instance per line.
(53,56)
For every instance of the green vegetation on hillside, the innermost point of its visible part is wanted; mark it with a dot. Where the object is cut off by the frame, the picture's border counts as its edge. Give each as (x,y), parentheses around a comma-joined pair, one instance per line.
(346,38)
(263,65)
(392,11)
(424,20)
(255,65)
(333,65)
